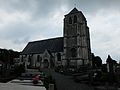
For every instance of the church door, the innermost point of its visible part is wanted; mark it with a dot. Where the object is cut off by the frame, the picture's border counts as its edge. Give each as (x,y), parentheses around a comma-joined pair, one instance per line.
(46,63)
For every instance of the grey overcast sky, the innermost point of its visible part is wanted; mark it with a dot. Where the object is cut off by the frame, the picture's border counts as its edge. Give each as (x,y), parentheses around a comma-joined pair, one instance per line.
(22,21)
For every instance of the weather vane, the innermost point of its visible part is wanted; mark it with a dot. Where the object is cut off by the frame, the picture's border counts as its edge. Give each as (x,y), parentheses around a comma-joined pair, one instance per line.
(75,3)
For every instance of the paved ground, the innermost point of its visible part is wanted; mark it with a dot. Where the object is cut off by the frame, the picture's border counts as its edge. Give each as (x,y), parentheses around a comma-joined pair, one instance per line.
(67,83)
(26,82)
(17,84)
(14,86)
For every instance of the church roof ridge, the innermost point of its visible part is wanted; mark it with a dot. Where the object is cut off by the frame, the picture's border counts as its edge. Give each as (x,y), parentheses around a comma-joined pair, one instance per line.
(46,39)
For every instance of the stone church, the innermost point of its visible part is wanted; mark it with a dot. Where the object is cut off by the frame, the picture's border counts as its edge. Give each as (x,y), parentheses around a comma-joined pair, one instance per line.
(71,50)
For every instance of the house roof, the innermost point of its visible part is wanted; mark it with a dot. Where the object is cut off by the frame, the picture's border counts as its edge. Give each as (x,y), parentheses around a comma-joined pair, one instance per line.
(53,45)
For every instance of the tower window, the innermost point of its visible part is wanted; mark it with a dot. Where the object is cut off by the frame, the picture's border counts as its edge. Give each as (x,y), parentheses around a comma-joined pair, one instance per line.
(59,57)
(70,20)
(75,19)
(73,52)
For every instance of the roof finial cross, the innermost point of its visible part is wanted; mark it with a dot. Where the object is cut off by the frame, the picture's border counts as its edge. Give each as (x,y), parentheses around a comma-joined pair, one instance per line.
(74,4)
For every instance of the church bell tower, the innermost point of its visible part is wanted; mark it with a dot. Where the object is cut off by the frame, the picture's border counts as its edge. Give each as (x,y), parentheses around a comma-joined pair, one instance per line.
(77,51)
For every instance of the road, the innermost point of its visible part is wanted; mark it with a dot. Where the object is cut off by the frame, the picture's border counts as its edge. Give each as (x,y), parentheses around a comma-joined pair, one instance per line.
(66,82)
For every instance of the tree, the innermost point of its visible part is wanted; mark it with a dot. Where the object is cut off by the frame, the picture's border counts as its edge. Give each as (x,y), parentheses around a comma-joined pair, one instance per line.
(19,69)
(96,61)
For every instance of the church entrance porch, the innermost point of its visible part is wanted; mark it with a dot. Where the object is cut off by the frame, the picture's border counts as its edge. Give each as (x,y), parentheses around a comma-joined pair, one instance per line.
(46,63)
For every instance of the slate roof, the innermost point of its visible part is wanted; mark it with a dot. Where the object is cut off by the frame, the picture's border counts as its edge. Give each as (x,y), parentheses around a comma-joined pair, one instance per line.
(74,10)
(53,45)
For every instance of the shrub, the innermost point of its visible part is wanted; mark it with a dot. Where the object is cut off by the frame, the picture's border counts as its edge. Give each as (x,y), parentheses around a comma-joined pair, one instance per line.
(49,80)
(19,69)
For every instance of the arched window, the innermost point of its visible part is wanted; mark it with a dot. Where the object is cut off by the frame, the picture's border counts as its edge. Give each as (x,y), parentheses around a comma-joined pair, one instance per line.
(46,63)
(59,57)
(75,19)
(70,20)
(73,52)
(38,58)
(22,58)
(29,58)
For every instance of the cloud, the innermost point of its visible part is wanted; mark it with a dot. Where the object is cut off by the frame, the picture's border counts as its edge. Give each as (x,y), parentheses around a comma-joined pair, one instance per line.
(9,45)
(105,33)
(22,21)
(19,26)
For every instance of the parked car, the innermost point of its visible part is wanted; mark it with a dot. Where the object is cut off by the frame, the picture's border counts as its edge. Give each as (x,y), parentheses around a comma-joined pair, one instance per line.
(31,75)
